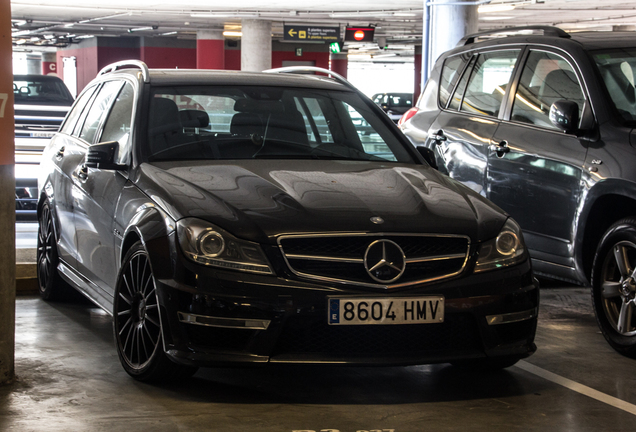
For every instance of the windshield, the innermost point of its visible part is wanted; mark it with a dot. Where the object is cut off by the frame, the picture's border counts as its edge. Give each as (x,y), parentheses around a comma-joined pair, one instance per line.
(40,90)
(618,68)
(245,122)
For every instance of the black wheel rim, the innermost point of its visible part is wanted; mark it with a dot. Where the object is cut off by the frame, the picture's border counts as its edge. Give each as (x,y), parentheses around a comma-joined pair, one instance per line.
(45,248)
(137,324)
(618,287)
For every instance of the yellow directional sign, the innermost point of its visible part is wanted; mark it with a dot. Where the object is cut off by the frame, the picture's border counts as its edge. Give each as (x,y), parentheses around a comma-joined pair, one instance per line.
(310,33)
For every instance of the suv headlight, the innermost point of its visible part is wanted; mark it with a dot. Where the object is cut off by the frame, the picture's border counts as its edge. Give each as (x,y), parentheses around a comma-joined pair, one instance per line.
(207,244)
(504,250)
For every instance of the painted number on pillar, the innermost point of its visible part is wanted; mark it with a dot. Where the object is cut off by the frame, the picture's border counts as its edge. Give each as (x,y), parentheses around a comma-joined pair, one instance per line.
(3,103)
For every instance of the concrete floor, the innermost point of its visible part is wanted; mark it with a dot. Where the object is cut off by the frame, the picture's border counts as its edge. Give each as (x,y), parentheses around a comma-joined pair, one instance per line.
(69,379)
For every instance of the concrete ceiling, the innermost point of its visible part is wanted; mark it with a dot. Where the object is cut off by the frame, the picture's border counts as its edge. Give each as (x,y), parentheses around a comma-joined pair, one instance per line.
(42,24)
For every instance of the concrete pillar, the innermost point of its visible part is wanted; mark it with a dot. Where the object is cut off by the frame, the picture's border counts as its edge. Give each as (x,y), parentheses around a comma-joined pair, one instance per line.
(7,200)
(339,63)
(210,49)
(49,63)
(256,45)
(449,23)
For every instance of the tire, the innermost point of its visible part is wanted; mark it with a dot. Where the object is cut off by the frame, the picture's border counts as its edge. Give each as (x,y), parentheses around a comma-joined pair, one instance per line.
(51,285)
(137,323)
(614,286)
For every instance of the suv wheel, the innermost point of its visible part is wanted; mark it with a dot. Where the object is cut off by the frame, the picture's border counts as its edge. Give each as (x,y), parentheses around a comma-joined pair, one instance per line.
(137,323)
(614,286)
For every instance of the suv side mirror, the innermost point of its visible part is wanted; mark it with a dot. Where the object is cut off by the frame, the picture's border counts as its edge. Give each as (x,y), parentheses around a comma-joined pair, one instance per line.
(102,156)
(564,114)
(428,155)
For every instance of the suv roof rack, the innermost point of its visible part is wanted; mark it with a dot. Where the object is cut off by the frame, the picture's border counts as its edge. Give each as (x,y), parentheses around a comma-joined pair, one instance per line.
(120,64)
(547,31)
(301,69)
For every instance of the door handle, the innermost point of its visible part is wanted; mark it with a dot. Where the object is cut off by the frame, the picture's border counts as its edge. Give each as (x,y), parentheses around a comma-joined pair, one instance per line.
(438,137)
(60,153)
(82,172)
(501,149)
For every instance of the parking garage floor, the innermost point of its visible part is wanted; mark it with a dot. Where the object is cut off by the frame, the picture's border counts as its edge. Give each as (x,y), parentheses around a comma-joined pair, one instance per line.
(69,379)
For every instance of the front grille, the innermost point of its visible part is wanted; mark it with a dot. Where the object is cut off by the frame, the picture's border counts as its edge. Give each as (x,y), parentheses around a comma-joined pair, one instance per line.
(309,335)
(340,258)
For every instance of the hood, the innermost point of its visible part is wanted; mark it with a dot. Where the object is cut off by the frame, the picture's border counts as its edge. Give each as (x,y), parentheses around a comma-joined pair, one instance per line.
(260,199)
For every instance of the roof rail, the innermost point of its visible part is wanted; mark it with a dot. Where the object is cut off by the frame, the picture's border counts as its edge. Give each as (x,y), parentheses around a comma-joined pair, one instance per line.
(120,64)
(547,31)
(300,69)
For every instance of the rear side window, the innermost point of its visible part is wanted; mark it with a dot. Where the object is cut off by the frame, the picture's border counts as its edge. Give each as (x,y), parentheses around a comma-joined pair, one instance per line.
(488,82)
(451,72)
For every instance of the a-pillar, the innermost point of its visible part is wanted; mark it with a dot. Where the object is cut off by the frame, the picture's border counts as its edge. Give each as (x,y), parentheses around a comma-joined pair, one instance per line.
(339,63)
(449,23)
(256,45)
(7,201)
(210,49)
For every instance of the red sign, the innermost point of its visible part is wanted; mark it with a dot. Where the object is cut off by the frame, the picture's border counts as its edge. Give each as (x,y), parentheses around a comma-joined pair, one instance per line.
(359,34)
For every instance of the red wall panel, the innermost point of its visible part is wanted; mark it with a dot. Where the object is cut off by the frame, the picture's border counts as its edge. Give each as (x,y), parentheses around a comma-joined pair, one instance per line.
(169,58)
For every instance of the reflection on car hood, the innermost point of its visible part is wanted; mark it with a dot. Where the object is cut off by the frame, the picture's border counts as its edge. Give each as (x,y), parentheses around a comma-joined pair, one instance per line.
(258,200)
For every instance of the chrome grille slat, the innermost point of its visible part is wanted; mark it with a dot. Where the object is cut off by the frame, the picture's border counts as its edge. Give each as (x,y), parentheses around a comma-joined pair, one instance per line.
(339,257)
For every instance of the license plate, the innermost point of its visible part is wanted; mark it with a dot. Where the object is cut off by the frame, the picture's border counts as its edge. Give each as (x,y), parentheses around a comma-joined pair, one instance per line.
(407,310)
(42,134)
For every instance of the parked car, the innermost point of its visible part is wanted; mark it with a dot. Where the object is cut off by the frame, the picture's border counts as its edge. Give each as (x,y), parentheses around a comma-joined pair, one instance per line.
(291,234)
(394,104)
(543,126)
(41,103)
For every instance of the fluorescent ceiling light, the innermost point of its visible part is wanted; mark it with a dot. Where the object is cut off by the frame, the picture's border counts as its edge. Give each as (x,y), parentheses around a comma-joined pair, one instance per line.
(224,15)
(495,18)
(488,8)
(232,33)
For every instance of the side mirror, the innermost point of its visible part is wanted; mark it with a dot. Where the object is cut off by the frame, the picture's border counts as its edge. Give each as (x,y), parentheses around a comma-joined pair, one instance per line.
(102,156)
(564,114)
(428,155)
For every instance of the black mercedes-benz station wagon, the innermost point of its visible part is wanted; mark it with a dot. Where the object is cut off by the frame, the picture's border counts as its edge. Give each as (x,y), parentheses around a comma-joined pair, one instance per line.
(225,217)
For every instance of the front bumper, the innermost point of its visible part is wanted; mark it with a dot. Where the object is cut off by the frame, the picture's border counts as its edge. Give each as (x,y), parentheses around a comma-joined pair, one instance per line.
(213,317)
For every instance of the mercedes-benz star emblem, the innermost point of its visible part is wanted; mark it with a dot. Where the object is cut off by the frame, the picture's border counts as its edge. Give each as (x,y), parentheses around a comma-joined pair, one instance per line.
(385,261)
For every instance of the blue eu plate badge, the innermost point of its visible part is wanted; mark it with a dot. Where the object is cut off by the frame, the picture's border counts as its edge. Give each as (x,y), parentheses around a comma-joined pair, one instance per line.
(334,311)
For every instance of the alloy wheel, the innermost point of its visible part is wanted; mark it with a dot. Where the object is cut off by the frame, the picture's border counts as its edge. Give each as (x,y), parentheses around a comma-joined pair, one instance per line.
(138,327)
(618,286)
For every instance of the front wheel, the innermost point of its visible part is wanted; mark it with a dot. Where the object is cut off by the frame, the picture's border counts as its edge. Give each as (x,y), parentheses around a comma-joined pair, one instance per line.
(137,322)
(614,286)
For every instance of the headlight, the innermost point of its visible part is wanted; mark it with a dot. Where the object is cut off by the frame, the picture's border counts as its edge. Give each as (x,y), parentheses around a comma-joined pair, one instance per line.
(207,244)
(505,250)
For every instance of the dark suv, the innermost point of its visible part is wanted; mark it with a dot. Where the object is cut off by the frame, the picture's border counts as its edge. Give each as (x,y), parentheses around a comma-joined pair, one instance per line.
(226,217)
(41,103)
(543,125)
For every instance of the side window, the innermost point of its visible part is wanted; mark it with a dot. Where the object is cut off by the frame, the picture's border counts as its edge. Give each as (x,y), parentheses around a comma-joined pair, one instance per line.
(71,119)
(450,74)
(461,87)
(546,78)
(98,110)
(117,126)
(488,82)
